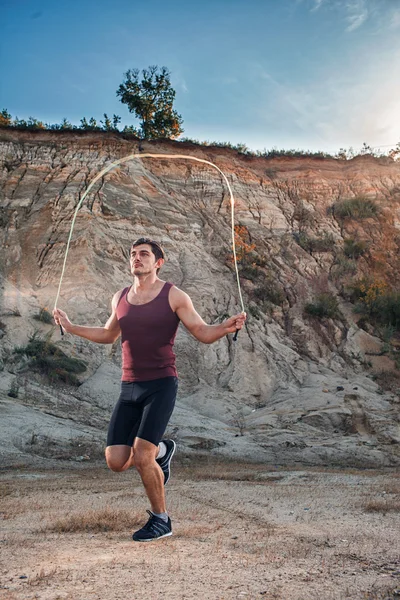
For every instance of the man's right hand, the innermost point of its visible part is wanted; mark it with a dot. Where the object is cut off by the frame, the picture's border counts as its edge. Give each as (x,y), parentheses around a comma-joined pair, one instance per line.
(61,318)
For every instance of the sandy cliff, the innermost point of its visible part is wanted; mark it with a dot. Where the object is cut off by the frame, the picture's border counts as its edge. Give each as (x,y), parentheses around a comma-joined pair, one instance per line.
(278,385)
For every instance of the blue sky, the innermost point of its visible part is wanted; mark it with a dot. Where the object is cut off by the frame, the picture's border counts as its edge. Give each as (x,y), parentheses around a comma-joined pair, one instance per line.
(311,74)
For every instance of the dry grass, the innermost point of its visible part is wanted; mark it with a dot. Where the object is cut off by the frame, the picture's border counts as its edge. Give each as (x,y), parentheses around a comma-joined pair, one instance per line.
(95,521)
(218,469)
(279,534)
(383,505)
(196,531)
(42,576)
(386,593)
(392,488)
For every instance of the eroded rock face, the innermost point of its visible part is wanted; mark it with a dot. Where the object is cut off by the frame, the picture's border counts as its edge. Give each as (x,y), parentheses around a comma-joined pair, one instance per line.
(273,394)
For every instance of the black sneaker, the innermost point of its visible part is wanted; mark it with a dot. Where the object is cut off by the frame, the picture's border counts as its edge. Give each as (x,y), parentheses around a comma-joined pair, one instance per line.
(165,461)
(154,529)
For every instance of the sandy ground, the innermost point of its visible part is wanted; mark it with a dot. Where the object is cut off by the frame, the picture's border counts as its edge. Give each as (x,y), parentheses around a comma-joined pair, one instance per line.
(239,531)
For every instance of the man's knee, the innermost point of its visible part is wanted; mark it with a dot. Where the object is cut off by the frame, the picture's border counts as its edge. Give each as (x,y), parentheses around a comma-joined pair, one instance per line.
(114,466)
(116,460)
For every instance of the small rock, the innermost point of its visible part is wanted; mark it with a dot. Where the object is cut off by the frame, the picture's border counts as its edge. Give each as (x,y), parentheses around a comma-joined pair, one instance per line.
(339,388)
(81,458)
(325,390)
(23,577)
(355,388)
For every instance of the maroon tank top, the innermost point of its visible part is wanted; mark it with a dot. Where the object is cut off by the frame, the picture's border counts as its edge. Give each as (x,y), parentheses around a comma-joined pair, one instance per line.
(147,336)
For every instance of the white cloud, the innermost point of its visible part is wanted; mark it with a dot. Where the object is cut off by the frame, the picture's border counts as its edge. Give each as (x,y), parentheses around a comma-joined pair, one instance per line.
(383,15)
(357,13)
(317,4)
(353,103)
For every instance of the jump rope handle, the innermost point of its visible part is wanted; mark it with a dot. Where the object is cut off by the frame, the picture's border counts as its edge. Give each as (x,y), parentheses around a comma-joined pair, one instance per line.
(62,330)
(236,335)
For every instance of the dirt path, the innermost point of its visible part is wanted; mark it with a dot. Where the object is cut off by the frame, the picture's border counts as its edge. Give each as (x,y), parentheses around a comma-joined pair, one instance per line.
(240,532)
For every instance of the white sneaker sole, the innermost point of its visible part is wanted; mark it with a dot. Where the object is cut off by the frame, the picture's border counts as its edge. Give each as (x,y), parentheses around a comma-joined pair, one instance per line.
(155,539)
(170,459)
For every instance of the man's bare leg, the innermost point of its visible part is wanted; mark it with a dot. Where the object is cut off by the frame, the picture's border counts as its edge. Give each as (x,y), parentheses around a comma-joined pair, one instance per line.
(151,474)
(119,457)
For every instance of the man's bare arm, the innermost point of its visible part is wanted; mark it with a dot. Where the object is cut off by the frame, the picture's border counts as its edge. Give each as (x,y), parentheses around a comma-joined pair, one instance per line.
(101,335)
(183,306)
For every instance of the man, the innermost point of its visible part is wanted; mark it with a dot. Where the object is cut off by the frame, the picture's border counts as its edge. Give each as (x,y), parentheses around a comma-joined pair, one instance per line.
(147,315)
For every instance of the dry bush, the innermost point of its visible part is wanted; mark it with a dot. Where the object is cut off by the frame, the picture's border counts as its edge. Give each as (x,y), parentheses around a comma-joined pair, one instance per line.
(42,576)
(95,521)
(382,505)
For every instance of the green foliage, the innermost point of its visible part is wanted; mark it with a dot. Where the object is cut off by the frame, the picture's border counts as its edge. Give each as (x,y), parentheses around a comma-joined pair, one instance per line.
(355,208)
(14,390)
(151,99)
(384,309)
(65,125)
(31,123)
(376,302)
(249,271)
(325,243)
(110,125)
(243,149)
(44,316)
(5,118)
(46,358)
(344,266)
(254,311)
(90,125)
(325,305)
(268,291)
(354,248)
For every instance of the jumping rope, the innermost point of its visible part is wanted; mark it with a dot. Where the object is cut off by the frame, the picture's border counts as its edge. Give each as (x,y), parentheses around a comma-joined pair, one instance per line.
(163,156)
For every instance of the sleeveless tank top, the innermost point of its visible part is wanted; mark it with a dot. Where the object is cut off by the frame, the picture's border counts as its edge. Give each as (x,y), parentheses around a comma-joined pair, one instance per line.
(147,336)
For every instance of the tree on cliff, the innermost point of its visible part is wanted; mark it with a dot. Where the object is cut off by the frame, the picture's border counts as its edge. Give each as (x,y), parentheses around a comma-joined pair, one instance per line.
(5,118)
(150,97)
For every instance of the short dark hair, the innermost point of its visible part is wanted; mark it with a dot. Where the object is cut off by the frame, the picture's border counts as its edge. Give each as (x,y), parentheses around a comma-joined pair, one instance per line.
(155,246)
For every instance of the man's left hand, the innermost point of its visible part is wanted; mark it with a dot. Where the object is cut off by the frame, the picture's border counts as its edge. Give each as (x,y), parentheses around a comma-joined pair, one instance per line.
(234,323)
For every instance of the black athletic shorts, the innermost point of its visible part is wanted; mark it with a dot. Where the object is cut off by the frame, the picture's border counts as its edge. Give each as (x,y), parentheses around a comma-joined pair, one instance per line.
(143,410)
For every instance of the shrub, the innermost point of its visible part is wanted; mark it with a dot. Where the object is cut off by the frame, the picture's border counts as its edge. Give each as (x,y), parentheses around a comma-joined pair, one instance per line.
(355,208)
(14,389)
(94,521)
(376,301)
(46,358)
(344,266)
(44,316)
(385,309)
(268,291)
(325,305)
(325,243)
(249,271)
(354,248)
(254,311)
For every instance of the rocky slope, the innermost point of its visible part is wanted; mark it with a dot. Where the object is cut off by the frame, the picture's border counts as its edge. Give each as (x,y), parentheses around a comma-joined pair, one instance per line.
(292,388)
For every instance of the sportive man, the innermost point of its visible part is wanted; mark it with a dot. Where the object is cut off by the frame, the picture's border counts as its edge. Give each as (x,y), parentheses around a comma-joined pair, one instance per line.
(147,315)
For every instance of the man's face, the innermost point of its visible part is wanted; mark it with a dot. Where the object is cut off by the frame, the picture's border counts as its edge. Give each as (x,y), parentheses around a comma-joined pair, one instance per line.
(143,261)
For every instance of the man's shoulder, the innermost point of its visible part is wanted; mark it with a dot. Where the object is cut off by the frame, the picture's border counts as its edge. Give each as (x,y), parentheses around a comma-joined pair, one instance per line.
(118,295)
(178,297)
